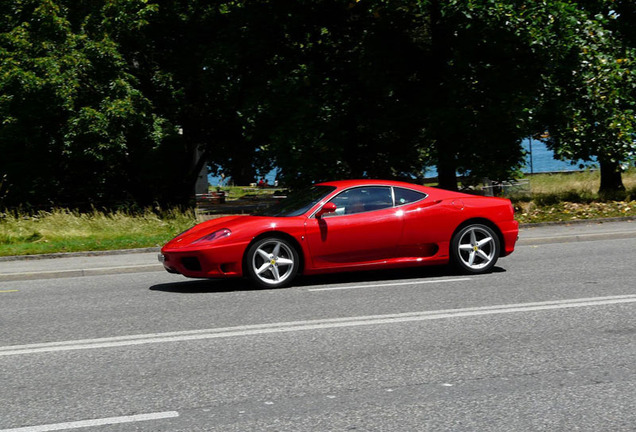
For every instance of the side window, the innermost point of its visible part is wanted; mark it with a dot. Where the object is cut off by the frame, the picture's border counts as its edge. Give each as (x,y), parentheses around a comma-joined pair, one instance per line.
(362,199)
(405,196)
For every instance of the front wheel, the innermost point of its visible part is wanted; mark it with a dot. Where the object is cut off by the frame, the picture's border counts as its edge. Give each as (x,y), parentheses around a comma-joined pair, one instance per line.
(272,262)
(475,249)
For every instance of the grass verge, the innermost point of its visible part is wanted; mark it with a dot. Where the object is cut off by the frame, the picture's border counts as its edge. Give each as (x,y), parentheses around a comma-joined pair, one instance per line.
(530,212)
(571,196)
(68,231)
(544,198)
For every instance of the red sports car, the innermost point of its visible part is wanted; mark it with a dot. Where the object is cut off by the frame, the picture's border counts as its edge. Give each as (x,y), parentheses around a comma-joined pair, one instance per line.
(345,226)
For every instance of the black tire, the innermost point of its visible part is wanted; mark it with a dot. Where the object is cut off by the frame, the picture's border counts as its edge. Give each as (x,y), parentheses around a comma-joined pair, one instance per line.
(475,249)
(272,262)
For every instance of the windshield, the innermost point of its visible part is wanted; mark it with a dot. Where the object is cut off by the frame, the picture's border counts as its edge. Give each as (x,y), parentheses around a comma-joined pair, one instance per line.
(298,202)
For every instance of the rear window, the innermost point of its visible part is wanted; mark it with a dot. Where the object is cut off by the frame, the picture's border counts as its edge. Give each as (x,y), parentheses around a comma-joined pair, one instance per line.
(406,196)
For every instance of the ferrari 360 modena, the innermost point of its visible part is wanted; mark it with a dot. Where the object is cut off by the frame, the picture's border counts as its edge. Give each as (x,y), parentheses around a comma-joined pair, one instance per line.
(348,225)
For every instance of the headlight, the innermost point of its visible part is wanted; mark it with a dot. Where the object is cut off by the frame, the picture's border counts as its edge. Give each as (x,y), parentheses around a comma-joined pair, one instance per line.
(214,236)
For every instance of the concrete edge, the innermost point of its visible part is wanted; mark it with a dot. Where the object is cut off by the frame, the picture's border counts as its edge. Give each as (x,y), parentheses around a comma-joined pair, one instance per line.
(573,238)
(58,274)
(579,222)
(78,254)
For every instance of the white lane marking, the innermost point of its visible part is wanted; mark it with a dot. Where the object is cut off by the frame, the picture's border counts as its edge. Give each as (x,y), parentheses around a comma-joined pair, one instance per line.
(418,282)
(95,422)
(284,327)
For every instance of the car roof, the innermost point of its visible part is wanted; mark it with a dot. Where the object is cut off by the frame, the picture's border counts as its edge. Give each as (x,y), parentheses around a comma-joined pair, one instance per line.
(342,184)
(430,191)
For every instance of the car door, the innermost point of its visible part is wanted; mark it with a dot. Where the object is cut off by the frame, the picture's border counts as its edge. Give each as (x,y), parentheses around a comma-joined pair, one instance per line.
(364,228)
(425,224)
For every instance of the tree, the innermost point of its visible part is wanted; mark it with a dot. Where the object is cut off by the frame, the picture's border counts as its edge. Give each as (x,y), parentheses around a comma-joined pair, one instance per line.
(345,102)
(486,72)
(206,68)
(74,126)
(140,94)
(383,88)
(590,100)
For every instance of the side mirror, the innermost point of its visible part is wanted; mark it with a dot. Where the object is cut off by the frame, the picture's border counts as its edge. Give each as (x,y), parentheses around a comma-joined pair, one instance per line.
(327,208)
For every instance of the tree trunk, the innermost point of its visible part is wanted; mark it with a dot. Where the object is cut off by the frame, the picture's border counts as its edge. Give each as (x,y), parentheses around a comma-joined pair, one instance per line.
(611,178)
(446,168)
(612,186)
(241,172)
(440,51)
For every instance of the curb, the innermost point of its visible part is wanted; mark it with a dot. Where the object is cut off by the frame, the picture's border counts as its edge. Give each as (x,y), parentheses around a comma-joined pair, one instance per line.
(569,238)
(58,274)
(578,222)
(78,254)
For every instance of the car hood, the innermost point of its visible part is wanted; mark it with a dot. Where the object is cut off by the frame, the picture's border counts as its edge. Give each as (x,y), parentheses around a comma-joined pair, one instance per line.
(241,227)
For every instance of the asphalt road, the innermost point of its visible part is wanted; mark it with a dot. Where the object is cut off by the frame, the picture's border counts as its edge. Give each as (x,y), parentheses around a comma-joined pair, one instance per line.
(546,342)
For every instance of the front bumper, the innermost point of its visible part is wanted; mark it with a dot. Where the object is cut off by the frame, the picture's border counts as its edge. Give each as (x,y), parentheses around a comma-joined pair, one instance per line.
(222,262)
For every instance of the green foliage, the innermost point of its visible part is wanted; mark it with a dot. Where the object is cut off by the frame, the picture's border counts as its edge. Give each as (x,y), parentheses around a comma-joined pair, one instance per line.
(3,190)
(487,68)
(351,96)
(591,105)
(124,101)
(74,125)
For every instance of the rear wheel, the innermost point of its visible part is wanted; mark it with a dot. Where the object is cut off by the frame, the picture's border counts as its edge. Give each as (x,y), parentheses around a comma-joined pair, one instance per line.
(272,262)
(475,249)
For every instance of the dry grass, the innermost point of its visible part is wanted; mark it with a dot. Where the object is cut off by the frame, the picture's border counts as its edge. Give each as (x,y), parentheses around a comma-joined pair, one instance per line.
(529,212)
(66,231)
(572,196)
(583,183)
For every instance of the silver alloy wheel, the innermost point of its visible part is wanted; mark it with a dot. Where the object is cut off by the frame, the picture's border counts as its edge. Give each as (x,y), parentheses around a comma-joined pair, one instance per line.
(477,248)
(273,262)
